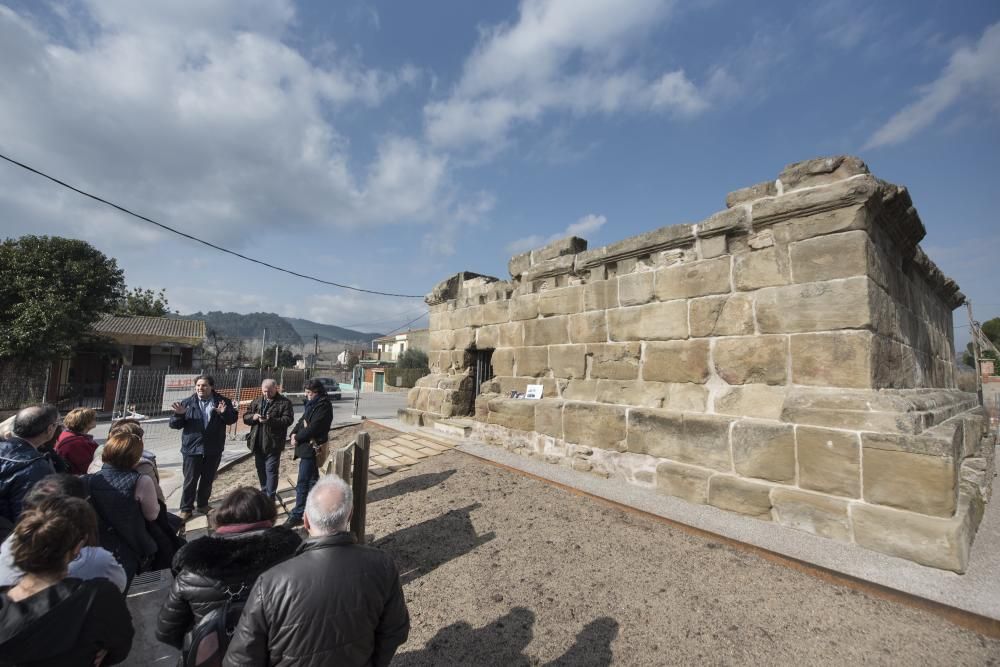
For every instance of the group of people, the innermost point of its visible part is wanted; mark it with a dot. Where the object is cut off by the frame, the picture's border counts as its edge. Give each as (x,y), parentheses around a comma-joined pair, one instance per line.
(79,521)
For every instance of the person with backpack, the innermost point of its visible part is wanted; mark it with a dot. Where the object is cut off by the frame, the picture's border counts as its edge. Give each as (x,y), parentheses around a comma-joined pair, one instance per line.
(215,572)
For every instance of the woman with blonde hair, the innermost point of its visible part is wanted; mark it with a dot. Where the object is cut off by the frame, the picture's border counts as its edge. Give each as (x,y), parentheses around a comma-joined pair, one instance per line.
(75,444)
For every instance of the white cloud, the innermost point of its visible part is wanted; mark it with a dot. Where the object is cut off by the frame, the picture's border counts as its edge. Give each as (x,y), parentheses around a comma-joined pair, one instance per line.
(561,55)
(586,225)
(970,71)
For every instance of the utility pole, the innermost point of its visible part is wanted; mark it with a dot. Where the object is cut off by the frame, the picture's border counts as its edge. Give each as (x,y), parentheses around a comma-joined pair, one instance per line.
(263,342)
(315,349)
(276,348)
(976,351)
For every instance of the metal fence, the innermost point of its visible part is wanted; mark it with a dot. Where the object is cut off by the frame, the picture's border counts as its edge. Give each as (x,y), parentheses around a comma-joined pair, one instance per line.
(21,384)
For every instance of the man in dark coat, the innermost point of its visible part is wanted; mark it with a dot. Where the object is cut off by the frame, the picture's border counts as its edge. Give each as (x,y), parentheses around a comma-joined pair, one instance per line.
(202,418)
(309,438)
(21,462)
(268,417)
(334,603)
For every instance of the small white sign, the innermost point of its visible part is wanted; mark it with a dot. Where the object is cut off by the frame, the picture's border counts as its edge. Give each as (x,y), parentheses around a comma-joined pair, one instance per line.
(534,391)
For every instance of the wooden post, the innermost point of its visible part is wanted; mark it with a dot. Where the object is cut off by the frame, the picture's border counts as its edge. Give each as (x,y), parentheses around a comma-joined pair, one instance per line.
(342,463)
(360,485)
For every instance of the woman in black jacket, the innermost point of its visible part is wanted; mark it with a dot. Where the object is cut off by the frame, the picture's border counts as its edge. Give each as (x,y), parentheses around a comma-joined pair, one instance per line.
(51,619)
(309,440)
(224,565)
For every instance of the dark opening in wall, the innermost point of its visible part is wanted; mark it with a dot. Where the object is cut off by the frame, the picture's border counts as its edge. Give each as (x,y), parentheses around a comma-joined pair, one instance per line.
(483,369)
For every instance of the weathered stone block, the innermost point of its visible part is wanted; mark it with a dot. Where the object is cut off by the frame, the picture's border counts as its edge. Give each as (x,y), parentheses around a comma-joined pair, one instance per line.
(635,289)
(765,189)
(550,331)
(654,321)
(562,301)
(464,338)
(487,337)
(503,361)
(910,473)
(510,334)
(761,268)
(828,257)
(699,439)
(632,392)
(588,327)
(518,264)
(764,450)
(569,245)
(512,413)
(496,312)
(824,306)
(686,482)
(829,461)
(568,361)
(548,417)
(595,425)
(714,246)
(676,361)
(751,400)
(503,385)
(813,513)
(752,360)
(530,361)
(483,406)
(682,281)
(600,295)
(740,495)
(442,340)
(580,390)
(845,196)
(839,359)
(614,361)
(524,307)
(821,171)
(728,315)
(686,397)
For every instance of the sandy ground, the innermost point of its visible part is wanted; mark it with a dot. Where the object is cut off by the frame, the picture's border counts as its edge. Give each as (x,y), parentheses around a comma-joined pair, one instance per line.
(502,569)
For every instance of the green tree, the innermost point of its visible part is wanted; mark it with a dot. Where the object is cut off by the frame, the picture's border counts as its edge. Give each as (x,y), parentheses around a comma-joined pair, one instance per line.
(285,357)
(52,290)
(992,330)
(141,301)
(412,358)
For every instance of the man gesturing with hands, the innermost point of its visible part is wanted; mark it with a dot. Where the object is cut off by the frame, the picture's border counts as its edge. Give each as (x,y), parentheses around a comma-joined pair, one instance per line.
(202,419)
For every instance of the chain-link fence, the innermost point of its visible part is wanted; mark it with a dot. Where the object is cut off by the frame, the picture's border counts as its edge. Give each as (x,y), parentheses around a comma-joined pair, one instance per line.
(21,384)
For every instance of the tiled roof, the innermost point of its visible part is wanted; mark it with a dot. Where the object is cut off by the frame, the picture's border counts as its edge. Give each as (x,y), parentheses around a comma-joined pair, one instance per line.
(161,327)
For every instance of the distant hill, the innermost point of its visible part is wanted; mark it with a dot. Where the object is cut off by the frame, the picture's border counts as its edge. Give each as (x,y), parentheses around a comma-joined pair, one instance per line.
(328,332)
(285,330)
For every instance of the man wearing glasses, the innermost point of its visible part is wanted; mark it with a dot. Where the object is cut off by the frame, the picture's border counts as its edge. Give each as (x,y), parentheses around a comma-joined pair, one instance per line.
(21,464)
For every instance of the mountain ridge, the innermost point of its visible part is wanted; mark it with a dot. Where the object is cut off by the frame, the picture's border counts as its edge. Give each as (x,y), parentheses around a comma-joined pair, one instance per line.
(284,330)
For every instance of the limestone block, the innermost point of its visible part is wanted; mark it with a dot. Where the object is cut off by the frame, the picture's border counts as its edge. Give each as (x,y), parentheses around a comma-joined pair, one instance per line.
(442,340)
(767,267)
(625,252)
(487,337)
(550,331)
(569,245)
(503,385)
(821,171)
(510,334)
(512,413)
(588,327)
(740,495)
(689,483)
(698,439)
(468,317)
(752,359)
(464,338)
(913,472)
(635,289)
(686,397)
(765,189)
(496,312)
(632,392)
(829,461)
(548,417)
(524,307)
(411,397)
(561,301)
(568,361)
(600,295)
(531,361)
(676,361)
(937,542)
(833,256)
(518,264)
(503,361)
(840,359)
(594,425)
(764,450)
(580,390)
(482,406)
(549,268)
(728,315)
(422,397)
(614,361)
(812,512)
(682,281)
(714,246)
(823,306)
(805,204)
(751,400)
(654,321)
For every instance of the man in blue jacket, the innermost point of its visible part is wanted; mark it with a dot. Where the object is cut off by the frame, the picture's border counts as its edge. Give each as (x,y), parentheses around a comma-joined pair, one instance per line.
(203,418)
(21,464)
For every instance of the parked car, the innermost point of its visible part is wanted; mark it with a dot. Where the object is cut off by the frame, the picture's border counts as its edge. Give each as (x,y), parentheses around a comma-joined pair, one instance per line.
(332,388)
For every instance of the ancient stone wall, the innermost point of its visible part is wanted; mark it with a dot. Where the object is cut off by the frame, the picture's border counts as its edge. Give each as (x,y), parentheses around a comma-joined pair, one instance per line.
(789,358)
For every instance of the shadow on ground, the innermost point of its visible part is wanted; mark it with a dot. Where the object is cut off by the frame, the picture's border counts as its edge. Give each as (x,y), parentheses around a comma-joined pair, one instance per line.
(421,548)
(503,641)
(408,485)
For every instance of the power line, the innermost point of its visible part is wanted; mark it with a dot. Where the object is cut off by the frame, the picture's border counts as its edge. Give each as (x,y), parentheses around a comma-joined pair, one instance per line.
(405,325)
(388,319)
(198,240)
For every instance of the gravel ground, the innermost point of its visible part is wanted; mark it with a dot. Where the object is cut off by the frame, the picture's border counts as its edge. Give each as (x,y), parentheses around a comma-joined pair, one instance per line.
(503,569)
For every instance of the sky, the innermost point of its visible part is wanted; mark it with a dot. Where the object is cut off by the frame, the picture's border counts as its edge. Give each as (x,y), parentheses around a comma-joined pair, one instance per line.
(387,145)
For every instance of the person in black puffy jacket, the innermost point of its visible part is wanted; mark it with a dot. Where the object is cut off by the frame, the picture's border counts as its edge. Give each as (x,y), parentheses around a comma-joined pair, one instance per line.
(225,564)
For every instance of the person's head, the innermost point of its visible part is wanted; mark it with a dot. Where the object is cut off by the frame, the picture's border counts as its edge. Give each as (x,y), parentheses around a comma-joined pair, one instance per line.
(50,535)
(122,450)
(204,385)
(244,505)
(269,388)
(127,426)
(328,506)
(80,420)
(36,424)
(314,388)
(57,484)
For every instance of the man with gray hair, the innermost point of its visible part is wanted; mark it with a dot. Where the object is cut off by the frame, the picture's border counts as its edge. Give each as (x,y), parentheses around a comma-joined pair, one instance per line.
(334,603)
(268,417)
(21,464)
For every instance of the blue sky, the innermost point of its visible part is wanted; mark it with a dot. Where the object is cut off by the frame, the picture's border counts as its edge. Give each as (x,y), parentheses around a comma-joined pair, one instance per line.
(388,145)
